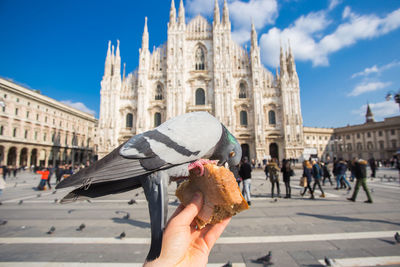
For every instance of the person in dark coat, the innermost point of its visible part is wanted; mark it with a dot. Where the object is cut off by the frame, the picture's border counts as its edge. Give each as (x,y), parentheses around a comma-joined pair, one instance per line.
(5,172)
(360,172)
(317,174)
(341,169)
(307,170)
(273,172)
(287,171)
(245,174)
(327,174)
(372,165)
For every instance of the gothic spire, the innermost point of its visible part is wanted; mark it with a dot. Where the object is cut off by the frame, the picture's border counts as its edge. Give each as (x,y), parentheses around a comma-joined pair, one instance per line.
(107,67)
(117,61)
(172,13)
(225,15)
(369,116)
(254,42)
(145,37)
(217,18)
(181,15)
(282,62)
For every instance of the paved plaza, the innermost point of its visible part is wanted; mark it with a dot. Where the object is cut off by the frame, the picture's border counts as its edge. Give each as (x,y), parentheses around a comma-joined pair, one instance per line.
(298,231)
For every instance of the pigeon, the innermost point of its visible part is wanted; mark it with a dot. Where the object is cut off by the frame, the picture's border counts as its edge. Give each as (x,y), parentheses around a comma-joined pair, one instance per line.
(132,201)
(228,264)
(328,261)
(55,200)
(55,191)
(70,211)
(126,217)
(266,260)
(3,223)
(20,202)
(150,159)
(137,194)
(88,200)
(38,195)
(397,237)
(122,235)
(81,227)
(51,231)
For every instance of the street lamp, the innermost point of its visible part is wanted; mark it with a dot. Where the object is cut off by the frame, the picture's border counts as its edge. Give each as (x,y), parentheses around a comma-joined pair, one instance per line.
(396,96)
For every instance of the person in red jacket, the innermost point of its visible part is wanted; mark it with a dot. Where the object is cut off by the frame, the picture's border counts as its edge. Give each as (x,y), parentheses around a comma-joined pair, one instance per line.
(45,175)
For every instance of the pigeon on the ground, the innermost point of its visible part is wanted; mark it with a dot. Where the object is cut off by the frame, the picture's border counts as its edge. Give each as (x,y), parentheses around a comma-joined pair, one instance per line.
(126,217)
(149,159)
(81,227)
(266,260)
(20,202)
(228,264)
(51,231)
(137,194)
(55,191)
(88,200)
(122,235)
(3,222)
(70,211)
(397,237)
(55,200)
(132,201)
(328,261)
(38,195)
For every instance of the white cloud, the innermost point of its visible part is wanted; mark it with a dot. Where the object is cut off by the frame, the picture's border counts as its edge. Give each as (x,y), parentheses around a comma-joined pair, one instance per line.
(310,43)
(368,87)
(376,69)
(334,3)
(260,12)
(380,110)
(79,106)
(195,7)
(301,32)
(242,13)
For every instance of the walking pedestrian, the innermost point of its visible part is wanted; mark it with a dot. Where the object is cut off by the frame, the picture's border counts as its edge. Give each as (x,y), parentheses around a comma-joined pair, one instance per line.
(5,172)
(59,173)
(361,177)
(51,171)
(372,165)
(287,171)
(273,171)
(327,174)
(307,170)
(317,174)
(341,174)
(245,174)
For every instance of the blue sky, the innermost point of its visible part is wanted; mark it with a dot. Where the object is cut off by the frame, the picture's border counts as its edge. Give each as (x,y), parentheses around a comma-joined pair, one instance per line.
(347,51)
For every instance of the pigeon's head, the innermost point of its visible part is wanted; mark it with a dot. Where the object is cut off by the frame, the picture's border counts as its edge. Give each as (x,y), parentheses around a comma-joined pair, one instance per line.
(228,149)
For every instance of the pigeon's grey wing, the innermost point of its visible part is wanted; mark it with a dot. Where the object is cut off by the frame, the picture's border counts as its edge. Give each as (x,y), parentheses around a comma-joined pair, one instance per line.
(111,168)
(179,140)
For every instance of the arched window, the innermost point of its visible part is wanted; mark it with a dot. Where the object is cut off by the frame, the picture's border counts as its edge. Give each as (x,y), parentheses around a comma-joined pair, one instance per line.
(200,97)
(271,117)
(157,119)
(129,120)
(242,90)
(159,93)
(199,59)
(243,118)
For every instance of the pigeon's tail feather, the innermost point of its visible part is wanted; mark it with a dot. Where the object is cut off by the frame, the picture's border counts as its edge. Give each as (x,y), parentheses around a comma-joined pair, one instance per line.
(111,168)
(102,189)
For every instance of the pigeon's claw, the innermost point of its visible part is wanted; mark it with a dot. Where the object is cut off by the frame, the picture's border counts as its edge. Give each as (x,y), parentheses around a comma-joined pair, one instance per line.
(199,165)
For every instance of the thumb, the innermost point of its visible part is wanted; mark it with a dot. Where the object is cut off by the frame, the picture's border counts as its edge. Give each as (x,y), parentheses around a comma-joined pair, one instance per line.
(191,210)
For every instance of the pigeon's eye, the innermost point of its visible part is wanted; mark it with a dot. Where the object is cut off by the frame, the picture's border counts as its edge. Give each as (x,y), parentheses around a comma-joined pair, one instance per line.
(232,154)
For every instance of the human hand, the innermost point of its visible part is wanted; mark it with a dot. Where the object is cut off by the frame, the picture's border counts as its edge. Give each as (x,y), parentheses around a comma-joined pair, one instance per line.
(183,244)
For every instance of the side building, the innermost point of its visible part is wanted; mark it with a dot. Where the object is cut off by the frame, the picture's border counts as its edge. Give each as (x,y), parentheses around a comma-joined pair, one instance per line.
(379,140)
(38,130)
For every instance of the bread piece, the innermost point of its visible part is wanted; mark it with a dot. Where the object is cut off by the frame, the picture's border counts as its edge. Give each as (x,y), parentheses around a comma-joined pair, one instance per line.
(221,194)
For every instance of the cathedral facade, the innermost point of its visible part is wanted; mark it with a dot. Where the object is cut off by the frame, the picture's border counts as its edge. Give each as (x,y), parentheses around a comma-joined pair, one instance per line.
(200,68)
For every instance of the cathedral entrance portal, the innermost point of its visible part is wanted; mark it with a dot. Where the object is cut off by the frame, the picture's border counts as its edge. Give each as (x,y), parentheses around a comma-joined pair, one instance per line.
(273,151)
(245,151)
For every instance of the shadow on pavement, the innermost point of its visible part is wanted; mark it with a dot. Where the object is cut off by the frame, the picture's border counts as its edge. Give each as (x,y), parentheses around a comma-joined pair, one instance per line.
(343,218)
(131,222)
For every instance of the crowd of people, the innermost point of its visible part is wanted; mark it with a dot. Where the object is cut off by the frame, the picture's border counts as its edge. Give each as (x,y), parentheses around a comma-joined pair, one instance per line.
(314,176)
